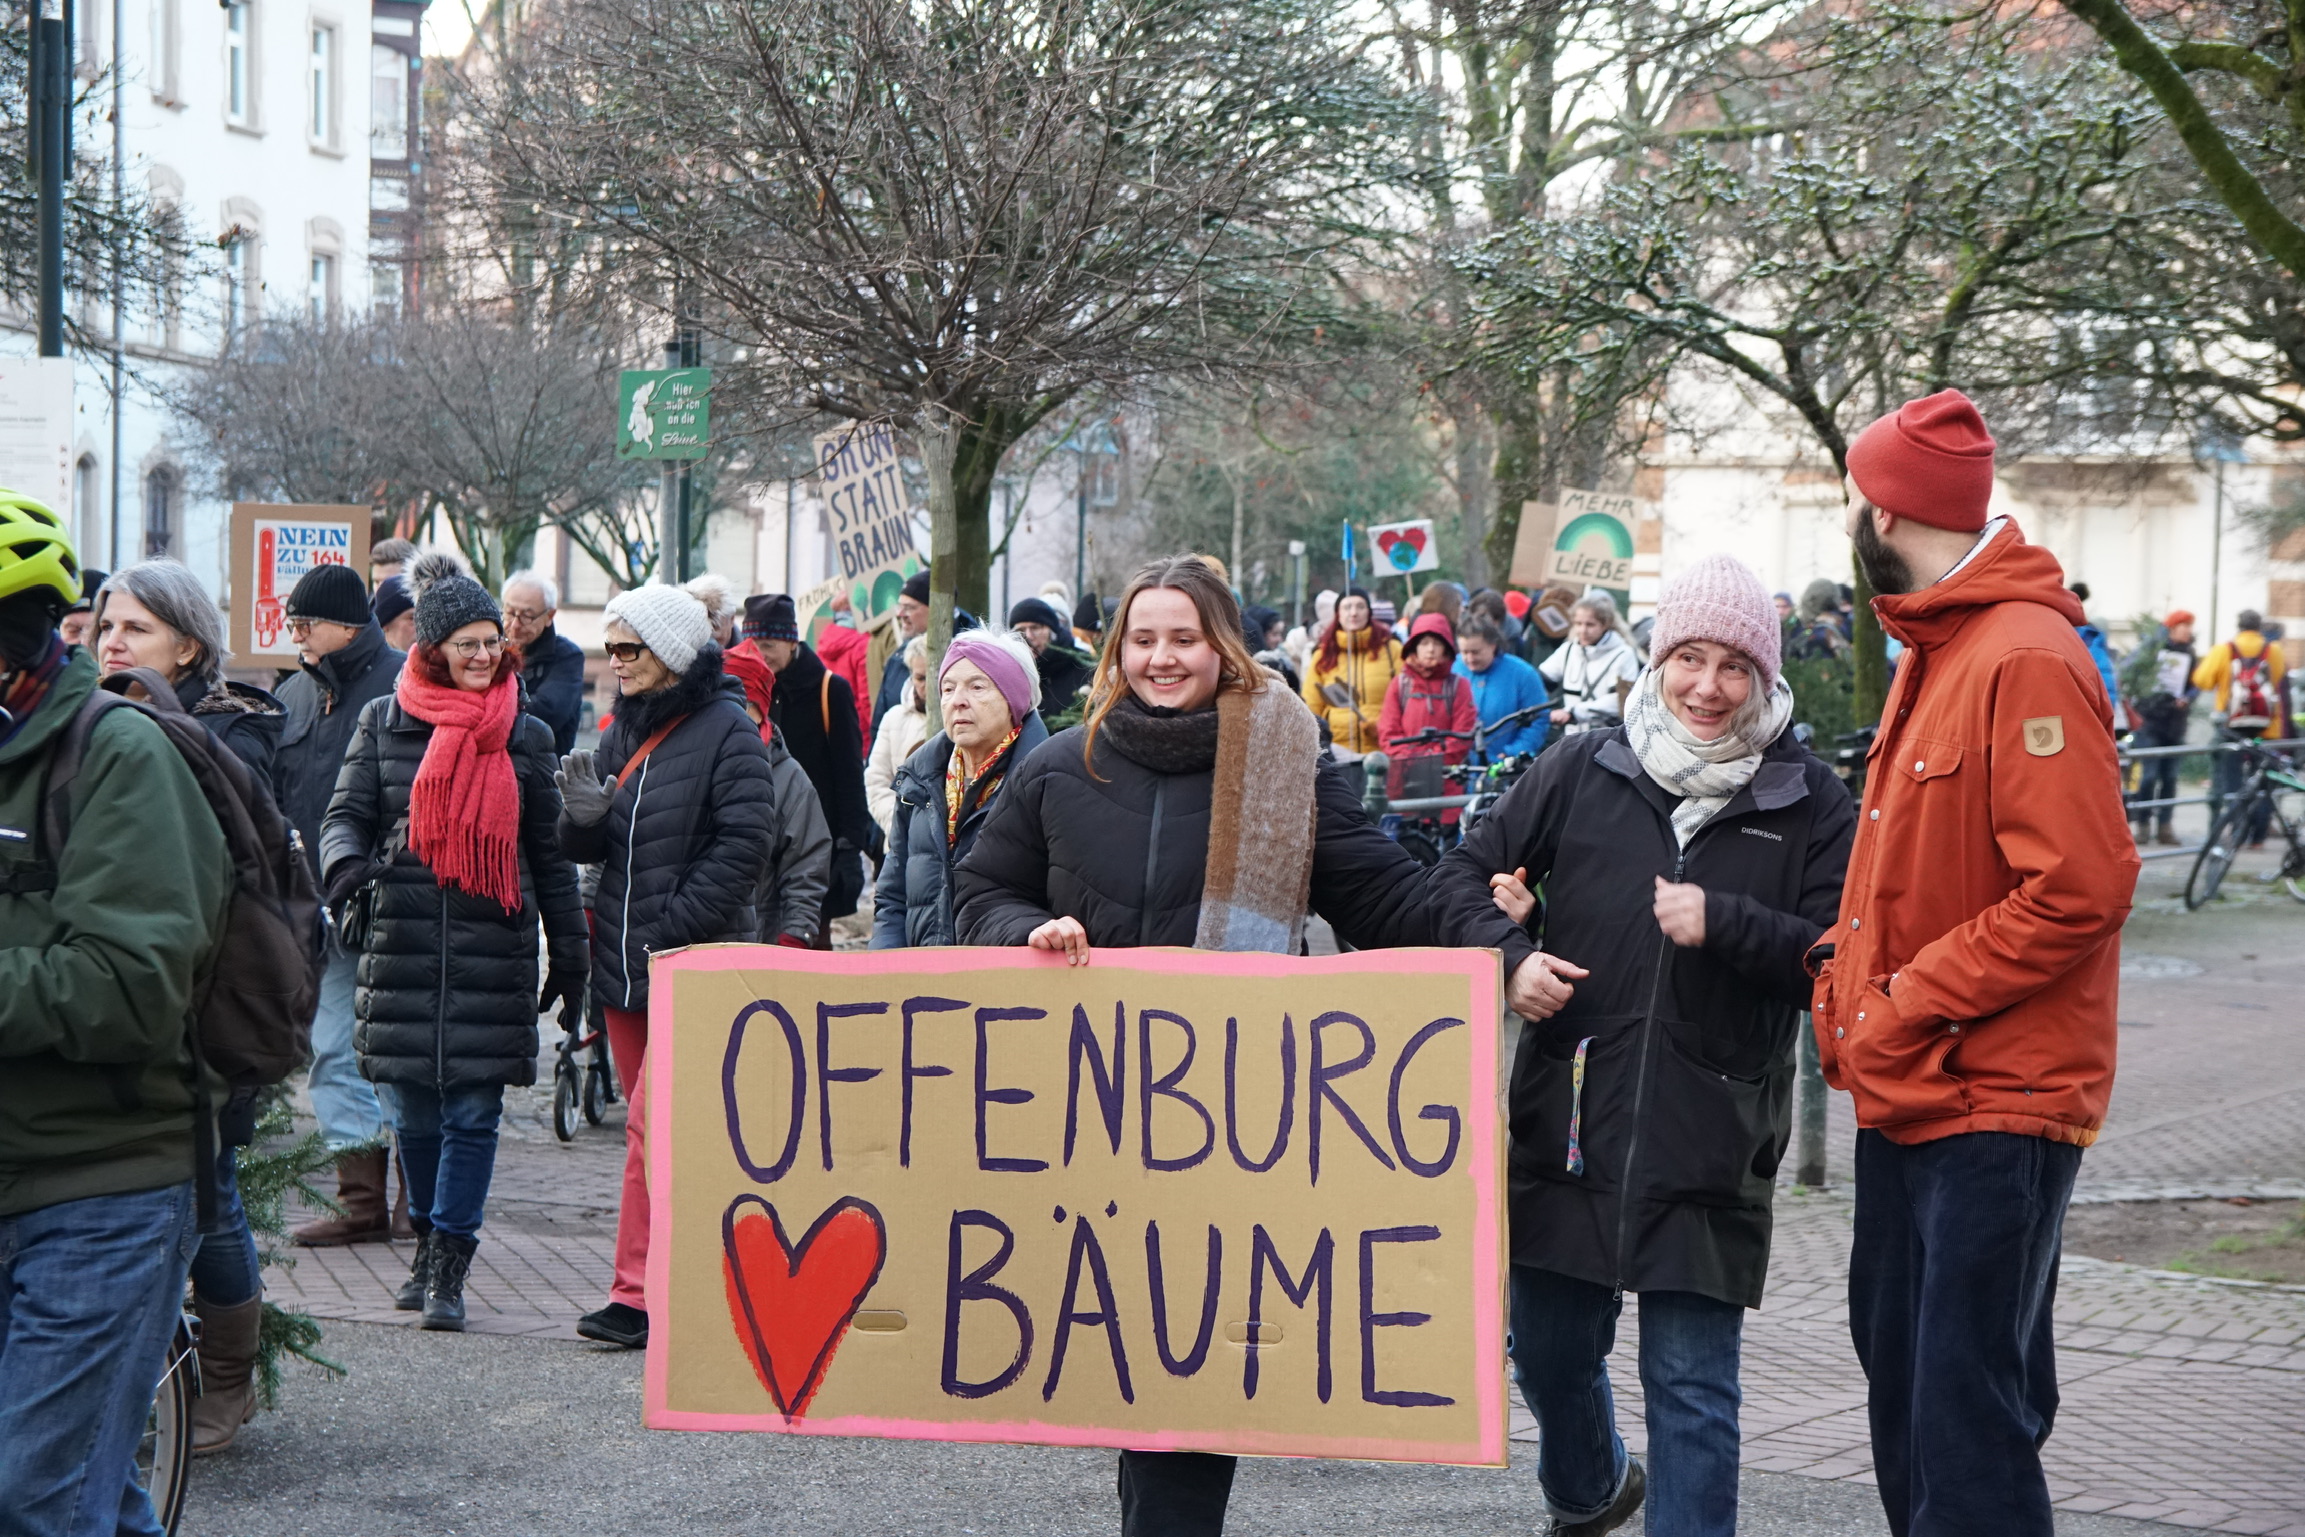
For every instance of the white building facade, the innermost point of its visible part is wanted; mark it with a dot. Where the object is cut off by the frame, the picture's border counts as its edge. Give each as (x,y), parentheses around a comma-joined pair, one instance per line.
(251,120)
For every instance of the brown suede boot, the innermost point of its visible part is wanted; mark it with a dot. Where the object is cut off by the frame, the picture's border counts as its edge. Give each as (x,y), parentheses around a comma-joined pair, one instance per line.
(360,1191)
(227,1398)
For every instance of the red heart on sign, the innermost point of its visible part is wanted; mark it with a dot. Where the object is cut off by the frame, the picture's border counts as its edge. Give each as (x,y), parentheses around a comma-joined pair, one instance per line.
(1414,538)
(792,1302)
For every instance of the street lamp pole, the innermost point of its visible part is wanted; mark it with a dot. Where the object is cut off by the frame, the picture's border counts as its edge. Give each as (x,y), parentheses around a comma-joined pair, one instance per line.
(51,123)
(1080,521)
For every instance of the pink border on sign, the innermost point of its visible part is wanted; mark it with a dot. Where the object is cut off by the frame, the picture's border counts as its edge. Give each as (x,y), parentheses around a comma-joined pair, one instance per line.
(1484,1137)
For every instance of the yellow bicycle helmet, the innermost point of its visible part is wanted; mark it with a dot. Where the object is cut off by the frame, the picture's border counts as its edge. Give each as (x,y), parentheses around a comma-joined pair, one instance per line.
(35,550)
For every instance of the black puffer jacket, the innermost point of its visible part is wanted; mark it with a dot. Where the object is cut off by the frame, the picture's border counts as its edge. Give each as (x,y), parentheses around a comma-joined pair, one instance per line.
(912,904)
(684,845)
(242,717)
(324,702)
(1127,854)
(1687,1099)
(447,981)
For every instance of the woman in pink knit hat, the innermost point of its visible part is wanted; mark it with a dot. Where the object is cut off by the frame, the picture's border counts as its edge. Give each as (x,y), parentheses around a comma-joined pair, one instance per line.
(1689,857)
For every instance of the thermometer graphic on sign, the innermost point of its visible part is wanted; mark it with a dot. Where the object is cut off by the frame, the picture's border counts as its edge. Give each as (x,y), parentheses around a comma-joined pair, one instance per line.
(266,618)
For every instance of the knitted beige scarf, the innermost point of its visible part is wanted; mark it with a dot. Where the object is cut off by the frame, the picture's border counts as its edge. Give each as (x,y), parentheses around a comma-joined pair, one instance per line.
(1261,823)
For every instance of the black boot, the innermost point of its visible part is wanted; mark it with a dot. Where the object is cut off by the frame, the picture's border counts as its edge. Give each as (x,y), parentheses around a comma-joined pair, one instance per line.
(444,1288)
(411,1294)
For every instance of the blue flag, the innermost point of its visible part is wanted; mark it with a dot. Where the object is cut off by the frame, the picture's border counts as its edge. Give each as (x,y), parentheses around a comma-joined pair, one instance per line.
(1350,555)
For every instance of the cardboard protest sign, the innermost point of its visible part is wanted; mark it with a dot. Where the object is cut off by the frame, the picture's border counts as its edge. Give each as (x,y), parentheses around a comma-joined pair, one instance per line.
(870,512)
(1171,1200)
(272,546)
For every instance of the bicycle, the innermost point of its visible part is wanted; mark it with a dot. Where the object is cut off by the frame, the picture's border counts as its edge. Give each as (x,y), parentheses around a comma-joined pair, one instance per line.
(1427,838)
(164,1455)
(588,1087)
(2265,774)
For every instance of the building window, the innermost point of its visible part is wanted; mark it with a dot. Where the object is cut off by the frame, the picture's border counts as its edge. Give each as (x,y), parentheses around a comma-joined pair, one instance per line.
(235,287)
(322,72)
(383,287)
(167,34)
(239,63)
(323,288)
(387,103)
(159,513)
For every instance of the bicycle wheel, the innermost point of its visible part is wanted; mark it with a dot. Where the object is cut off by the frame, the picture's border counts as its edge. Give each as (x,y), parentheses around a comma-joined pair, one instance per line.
(595,1093)
(164,1456)
(2216,856)
(564,1107)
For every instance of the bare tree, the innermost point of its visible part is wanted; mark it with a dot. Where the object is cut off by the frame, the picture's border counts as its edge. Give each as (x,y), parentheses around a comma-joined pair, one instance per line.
(1953,212)
(141,240)
(479,413)
(955,215)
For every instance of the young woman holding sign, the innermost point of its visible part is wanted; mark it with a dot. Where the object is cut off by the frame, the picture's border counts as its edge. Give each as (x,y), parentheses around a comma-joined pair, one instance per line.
(1689,858)
(1144,825)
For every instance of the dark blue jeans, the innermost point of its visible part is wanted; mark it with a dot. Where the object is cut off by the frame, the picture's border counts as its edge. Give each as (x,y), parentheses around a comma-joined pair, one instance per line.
(447,1150)
(89,1296)
(1952,1281)
(1563,1331)
(224,1270)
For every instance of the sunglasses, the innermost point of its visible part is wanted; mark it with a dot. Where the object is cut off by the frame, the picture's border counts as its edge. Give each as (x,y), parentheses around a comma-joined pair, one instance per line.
(625,650)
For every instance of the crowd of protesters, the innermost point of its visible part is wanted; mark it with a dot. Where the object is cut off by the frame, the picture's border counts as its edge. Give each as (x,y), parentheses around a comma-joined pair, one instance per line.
(1078,779)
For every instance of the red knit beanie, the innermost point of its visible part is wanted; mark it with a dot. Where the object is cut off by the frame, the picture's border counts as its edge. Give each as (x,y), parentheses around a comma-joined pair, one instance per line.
(1929,460)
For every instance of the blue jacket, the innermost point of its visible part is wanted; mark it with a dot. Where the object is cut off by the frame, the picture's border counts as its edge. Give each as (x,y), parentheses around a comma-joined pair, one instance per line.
(2102,655)
(1510,684)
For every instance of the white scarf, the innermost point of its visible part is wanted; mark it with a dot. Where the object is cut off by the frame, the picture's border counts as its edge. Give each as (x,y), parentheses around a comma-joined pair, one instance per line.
(1706,774)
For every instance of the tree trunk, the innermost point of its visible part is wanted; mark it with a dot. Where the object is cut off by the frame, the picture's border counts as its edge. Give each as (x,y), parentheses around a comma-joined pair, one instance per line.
(961,455)
(1519,468)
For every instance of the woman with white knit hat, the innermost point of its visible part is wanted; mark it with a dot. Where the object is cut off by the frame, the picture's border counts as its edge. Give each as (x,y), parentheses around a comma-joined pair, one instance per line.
(1689,858)
(678,809)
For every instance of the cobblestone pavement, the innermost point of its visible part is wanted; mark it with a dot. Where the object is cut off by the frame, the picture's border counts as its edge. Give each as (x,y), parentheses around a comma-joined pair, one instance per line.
(2184,1398)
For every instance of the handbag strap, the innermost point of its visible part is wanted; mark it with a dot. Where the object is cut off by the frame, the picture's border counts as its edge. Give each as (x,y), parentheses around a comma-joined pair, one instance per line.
(824,702)
(655,740)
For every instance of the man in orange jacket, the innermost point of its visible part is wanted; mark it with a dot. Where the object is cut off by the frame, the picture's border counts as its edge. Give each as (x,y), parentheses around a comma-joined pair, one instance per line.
(1966,996)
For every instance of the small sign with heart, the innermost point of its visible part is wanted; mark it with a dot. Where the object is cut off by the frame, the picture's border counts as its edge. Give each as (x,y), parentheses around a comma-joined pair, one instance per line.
(1405,547)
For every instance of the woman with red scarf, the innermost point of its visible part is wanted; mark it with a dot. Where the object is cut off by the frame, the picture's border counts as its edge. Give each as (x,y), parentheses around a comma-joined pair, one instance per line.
(441,854)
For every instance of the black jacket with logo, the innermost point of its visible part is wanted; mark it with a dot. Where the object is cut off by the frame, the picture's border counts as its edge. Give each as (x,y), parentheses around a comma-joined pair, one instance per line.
(1658,1174)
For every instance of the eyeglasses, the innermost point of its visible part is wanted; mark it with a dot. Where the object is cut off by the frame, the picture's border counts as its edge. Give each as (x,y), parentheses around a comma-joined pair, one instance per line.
(526,615)
(303,627)
(624,650)
(468,649)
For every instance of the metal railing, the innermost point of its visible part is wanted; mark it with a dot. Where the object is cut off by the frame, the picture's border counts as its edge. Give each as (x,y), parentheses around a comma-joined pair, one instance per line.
(2210,797)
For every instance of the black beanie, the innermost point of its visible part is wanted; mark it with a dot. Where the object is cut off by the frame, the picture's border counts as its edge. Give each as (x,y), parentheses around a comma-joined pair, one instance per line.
(916,587)
(334,593)
(1041,612)
(446,599)
(771,616)
(1088,614)
(392,599)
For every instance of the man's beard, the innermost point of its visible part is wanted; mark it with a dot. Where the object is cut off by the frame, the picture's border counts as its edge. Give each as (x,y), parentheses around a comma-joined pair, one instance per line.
(1885,570)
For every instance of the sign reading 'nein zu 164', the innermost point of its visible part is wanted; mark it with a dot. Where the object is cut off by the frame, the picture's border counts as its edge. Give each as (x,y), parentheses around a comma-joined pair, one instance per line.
(1171,1201)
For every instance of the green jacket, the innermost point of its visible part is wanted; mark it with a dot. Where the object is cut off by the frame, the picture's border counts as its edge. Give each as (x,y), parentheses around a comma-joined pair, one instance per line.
(97,976)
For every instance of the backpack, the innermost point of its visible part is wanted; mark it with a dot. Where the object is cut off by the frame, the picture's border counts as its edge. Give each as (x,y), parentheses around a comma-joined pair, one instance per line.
(2249,703)
(252,1016)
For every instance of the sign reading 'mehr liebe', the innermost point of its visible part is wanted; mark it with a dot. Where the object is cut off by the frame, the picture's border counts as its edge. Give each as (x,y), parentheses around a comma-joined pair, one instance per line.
(1171,1200)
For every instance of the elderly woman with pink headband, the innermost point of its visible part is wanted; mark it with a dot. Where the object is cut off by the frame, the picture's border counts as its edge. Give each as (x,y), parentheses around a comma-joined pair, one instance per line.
(989,695)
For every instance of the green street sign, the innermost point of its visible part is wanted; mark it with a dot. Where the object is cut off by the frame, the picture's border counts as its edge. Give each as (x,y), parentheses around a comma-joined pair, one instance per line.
(663,413)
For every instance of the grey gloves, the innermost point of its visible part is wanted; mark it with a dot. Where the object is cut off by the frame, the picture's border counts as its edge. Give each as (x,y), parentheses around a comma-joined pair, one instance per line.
(583,793)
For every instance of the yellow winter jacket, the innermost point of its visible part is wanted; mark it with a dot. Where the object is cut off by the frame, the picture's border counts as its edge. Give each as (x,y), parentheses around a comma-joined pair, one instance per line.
(1365,670)
(2214,675)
